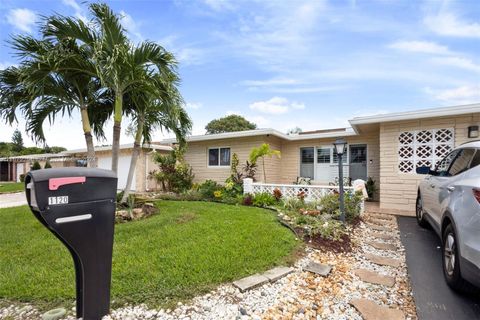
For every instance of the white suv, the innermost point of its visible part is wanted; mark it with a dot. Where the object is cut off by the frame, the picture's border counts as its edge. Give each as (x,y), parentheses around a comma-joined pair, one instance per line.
(449,200)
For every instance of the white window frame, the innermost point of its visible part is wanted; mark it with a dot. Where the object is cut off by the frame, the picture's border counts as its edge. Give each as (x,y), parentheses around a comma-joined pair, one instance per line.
(219,166)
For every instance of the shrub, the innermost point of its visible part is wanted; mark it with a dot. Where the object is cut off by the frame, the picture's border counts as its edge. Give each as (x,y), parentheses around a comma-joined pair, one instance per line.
(218,194)
(247,200)
(47,165)
(232,188)
(329,229)
(371,187)
(330,204)
(174,174)
(292,204)
(277,194)
(22,177)
(208,188)
(263,199)
(36,166)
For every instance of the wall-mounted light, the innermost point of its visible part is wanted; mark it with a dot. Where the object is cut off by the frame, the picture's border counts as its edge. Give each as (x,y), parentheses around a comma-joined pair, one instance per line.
(371,161)
(473,132)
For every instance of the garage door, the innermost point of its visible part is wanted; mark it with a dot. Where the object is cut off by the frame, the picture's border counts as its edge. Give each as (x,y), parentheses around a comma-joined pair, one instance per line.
(20,168)
(123,167)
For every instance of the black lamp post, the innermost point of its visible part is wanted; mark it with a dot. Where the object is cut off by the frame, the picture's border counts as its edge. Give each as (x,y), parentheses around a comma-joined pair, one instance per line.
(340,146)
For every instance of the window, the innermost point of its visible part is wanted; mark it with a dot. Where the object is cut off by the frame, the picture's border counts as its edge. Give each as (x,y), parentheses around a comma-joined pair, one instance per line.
(335,156)
(444,164)
(81,163)
(461,162)
(423,148)
(358,154)
(323,155)
(476,160)
(219,157)
(307,155)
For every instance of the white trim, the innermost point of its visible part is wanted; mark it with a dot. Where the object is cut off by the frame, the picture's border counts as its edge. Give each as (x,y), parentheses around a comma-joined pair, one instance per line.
(416,114)
(123,146)
(73,218)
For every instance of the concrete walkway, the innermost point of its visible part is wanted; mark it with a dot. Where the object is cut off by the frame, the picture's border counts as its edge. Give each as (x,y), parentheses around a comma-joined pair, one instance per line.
(8,200)
(433,297)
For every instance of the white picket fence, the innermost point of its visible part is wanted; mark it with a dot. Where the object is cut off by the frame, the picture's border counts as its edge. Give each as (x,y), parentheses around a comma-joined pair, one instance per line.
(312,192)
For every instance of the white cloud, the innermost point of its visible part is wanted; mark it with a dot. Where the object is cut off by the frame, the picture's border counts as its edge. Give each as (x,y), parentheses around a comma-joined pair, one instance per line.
(131,25)
(269,82)
(6,64)
(276,105)
(79,12)
(421,47)
(448,24)
(194,105)
(460,95)
(184,53)
(458,62)
(22,19)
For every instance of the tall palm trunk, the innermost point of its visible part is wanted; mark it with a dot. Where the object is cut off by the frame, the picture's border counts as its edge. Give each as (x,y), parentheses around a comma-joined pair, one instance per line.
(117,118)
(87,131)
(264,172)
(133,160)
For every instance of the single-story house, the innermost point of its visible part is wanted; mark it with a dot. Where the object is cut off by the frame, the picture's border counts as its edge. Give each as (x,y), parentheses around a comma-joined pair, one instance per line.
(13,167)
(386,147)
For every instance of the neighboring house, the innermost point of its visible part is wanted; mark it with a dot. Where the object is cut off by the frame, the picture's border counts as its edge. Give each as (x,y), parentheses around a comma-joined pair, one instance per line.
(13,167)
(386,147)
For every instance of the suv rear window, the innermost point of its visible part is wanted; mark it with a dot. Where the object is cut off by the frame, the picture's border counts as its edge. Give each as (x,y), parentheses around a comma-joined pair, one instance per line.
(461,162)
(475,160)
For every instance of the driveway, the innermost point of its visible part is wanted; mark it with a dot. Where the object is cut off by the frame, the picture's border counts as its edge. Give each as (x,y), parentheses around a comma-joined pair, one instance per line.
(433,297)
(12,199)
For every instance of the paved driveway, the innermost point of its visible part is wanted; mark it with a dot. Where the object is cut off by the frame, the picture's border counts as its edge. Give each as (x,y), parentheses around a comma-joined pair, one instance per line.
(12,199)
(433,297)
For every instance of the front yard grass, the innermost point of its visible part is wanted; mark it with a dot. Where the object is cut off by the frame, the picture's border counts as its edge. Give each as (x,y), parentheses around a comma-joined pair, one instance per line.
(7,187)
(185,250)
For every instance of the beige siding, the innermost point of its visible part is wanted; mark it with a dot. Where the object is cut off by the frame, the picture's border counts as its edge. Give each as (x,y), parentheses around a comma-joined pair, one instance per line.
(283,170)
(197,157)
(399,190)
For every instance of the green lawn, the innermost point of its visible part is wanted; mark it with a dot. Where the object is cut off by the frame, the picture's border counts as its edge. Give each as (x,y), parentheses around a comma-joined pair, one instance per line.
(185,250)
(6,187)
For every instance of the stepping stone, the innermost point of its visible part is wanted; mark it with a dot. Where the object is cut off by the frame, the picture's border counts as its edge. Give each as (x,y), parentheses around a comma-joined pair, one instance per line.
(381,222)
(374,277)
(318,268)
(250,282)
(373,311)
(379,228)
(384,261)
(277,273)
(382,246)
(382,236)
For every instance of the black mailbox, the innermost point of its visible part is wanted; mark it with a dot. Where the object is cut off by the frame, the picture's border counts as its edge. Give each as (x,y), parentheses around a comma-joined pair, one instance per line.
(78,206)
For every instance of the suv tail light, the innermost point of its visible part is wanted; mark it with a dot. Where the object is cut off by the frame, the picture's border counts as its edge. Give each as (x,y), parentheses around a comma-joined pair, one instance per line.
(476,194)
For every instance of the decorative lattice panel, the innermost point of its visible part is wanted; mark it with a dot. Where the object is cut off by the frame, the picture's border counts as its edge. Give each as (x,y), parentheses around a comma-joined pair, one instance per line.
(310,192)
(423,148)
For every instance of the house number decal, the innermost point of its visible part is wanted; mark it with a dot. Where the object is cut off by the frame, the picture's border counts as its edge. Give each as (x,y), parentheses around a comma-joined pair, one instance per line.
(58,200)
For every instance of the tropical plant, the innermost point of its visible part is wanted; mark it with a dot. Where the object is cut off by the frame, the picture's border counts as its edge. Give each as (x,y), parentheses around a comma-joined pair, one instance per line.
(229,123)
(260,153)
(263,199)
(174,173)
(208,188)
(249,170)
(330,204)
(155,108)
(277,194)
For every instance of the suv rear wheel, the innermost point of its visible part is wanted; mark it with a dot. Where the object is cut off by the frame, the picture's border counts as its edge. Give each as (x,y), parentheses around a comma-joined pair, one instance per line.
(451,262)
(422,222)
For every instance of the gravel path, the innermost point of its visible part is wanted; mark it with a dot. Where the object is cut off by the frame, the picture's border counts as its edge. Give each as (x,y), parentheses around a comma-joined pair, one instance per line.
(300,295)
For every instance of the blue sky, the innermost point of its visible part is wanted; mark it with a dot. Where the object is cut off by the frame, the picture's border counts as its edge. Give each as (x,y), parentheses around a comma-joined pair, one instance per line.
(281,64)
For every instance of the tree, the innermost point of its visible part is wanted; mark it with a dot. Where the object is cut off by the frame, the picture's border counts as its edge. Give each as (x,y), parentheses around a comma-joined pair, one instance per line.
(119,65)
(294,131)
(229,123)
(158,107)
(17,141)
(47,165)
(36,166)
(260,153)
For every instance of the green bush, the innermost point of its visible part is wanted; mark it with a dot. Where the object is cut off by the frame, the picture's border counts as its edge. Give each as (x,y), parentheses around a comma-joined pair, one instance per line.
(47,165)
(292,204)
(208,188)
(22,177)
(263,199)
(371,187)
(330,204)
(329,229)
(36,166)
(174,174)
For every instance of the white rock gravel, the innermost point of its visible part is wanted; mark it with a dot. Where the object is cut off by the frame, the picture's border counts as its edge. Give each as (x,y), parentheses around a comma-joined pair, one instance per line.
(300,295)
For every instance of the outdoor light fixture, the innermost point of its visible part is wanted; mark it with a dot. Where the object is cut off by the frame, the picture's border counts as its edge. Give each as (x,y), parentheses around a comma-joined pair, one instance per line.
(340,146)
(473,132)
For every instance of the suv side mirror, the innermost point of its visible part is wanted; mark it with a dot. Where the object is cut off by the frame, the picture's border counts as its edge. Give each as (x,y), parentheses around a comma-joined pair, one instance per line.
(424,170)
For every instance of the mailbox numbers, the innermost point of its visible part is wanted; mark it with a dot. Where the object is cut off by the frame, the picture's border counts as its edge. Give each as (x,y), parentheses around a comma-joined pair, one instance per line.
(58,200)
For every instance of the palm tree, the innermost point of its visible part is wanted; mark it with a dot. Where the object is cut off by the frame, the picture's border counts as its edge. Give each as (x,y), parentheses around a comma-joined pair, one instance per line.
(119,64)
(48,79)
(261,152)
(158,107)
